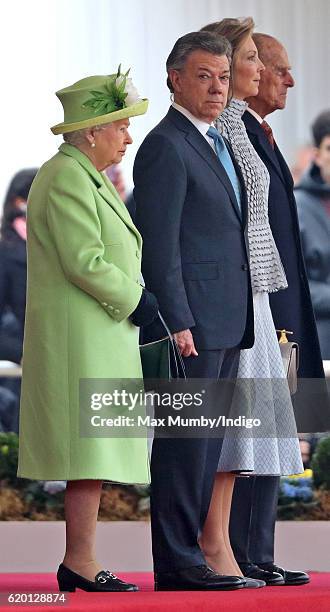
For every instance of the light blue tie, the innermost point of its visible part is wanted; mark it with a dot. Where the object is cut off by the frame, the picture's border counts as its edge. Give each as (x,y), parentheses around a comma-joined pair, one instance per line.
(226,161)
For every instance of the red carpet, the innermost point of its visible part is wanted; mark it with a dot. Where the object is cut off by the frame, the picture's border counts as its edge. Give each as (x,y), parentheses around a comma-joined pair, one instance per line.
(314,597)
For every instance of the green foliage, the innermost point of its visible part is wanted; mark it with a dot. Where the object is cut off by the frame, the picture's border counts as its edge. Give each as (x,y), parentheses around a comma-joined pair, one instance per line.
(321,464)
(41,501)
(111,100)
(8,456)
(296,511)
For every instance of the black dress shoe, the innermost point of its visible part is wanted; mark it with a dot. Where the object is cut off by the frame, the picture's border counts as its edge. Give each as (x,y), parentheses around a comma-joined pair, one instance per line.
(271,578)
(104,582)
(196,578)
(293,578)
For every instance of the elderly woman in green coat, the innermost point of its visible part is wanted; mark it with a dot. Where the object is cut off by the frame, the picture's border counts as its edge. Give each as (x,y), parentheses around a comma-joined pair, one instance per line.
(84,303)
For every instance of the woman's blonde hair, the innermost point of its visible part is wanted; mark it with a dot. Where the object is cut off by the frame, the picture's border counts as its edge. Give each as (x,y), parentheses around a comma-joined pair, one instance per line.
(235,30)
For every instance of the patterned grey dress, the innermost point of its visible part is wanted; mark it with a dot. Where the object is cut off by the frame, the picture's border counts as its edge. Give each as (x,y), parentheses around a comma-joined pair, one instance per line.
(262,393)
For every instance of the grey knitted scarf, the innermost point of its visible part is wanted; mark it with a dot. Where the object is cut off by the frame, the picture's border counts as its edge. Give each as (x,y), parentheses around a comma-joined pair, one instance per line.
(267,272)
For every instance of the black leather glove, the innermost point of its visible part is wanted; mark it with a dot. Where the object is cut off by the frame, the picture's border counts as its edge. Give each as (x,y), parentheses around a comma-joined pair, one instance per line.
(146,310)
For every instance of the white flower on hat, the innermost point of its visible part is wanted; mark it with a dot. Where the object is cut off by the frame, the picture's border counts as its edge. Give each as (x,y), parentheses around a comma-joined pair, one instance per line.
(132,96)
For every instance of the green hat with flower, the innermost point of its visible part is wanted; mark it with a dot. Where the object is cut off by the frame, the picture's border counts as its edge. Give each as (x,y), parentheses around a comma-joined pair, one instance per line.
(99,99)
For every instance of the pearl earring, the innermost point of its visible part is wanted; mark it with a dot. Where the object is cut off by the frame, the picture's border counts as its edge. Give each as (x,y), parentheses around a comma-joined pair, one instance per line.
(93,145)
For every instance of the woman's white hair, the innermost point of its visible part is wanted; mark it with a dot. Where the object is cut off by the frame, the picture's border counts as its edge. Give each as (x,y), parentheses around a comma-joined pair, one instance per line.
(78,137)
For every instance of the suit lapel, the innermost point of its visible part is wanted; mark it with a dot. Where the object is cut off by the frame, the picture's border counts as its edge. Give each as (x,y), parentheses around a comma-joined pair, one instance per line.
(259,140)
(201,146)
(274,156)
(104,187)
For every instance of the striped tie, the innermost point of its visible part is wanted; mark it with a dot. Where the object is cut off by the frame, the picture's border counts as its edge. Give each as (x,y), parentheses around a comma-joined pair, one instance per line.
(269,133)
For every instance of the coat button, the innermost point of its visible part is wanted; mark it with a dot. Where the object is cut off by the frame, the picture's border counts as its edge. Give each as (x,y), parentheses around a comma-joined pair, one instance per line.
(245,267)
(110,307)
(104,304)
(116,311)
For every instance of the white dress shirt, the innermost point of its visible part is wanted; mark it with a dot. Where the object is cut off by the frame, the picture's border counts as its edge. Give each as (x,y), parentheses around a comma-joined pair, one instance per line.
(200,125)
(255,115)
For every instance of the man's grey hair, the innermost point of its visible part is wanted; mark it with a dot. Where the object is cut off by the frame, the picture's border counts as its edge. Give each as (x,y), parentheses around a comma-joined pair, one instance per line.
(195,41)
(78,137)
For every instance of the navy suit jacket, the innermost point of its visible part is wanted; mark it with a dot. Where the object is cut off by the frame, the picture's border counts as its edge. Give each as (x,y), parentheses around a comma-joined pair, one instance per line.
(291,308)
(194,245)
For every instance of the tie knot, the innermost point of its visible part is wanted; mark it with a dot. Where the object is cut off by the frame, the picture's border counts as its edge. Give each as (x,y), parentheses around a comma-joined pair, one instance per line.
(269,133)
(214,134)
(265,126)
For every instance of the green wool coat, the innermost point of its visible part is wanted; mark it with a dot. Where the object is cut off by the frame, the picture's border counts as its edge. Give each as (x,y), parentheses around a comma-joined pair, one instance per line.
(84,260)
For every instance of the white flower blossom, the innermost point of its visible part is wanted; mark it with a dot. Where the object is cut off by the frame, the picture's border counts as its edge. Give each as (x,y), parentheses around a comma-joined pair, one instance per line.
(132,93)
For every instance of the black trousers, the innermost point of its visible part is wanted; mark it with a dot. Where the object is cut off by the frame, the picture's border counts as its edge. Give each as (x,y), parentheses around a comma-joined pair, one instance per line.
(253,517)
(182,477)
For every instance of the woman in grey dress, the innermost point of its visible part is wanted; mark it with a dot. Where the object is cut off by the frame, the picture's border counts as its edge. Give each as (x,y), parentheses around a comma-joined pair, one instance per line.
(275,449)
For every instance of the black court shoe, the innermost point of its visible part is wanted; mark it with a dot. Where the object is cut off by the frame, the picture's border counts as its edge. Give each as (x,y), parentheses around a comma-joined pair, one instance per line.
(271,578)
(290,577)
(196,578)
(104,582)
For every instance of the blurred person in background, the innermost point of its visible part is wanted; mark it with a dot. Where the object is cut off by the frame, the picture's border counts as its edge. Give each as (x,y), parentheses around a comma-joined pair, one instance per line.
(9,409)
(12,291)
(305,449)
(303,158)
(313,201)
(13,265)
(115,175)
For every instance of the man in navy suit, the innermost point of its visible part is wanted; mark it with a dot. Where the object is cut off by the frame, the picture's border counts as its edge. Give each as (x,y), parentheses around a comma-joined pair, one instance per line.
(254,507)
(195,261)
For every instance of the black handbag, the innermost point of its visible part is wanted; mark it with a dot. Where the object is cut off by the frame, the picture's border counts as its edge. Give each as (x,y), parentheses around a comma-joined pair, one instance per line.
(290,358)
(162,359)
